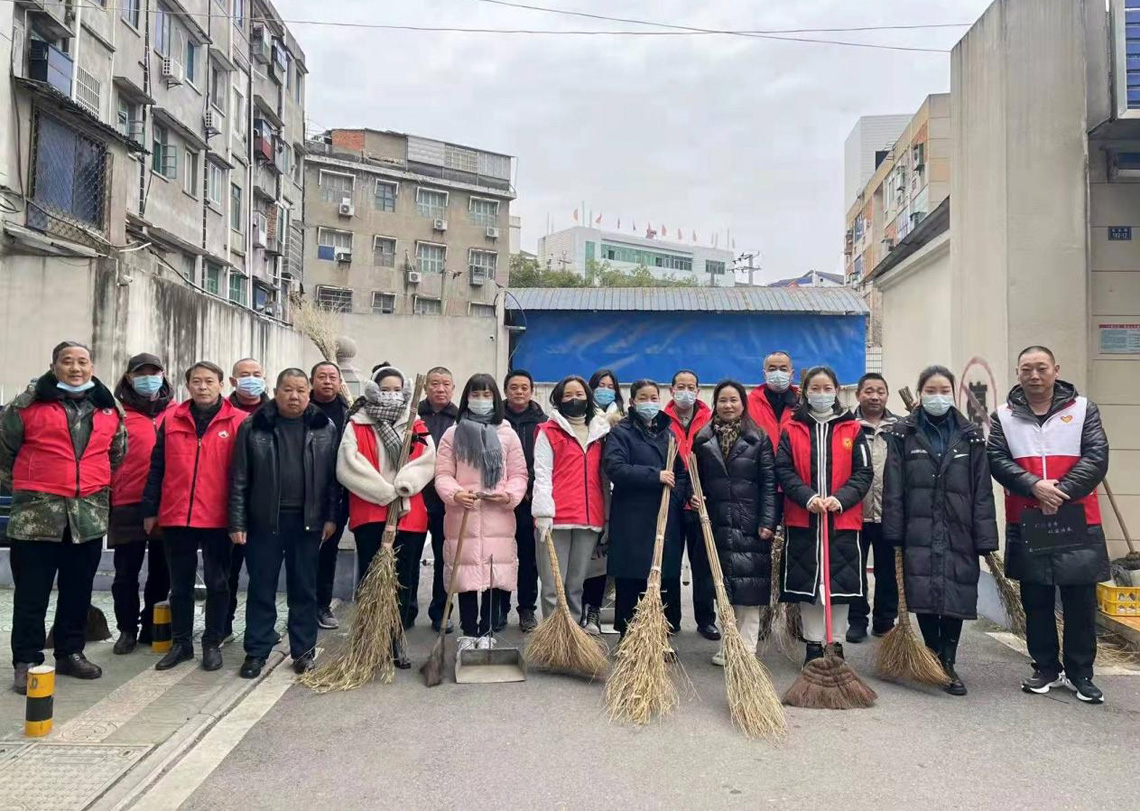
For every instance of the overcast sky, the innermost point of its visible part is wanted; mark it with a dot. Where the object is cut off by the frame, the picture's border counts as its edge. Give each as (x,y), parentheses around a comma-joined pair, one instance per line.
(705,133)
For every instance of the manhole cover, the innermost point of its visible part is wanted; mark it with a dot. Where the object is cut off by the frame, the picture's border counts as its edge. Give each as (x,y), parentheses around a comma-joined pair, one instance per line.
(57,775)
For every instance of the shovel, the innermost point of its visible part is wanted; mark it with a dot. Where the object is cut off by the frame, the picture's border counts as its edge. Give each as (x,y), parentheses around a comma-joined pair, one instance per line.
(490,665)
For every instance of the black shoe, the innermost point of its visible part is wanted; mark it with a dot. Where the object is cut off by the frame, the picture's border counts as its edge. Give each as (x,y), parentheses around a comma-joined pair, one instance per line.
(326,620)
(400,656)
(303,664)
(837,649)
(814,651)
(177,654)
(955,687)
(146,635)
(77,666)
(1085,689)
(20,677)
(211,657)
(409,624)
(883,629)
(709,632)
(856,634)
(500,623)
(527,621)
(1042,681)
(251,667)
(125,644)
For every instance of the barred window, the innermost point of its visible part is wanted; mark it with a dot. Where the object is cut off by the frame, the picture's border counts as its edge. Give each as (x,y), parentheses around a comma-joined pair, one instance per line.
(334,186)
(386,195)
(384,252)
(69,178)
(383,303)
(431,203)
(483,264)
(336,299)
(483,212)
(430,257)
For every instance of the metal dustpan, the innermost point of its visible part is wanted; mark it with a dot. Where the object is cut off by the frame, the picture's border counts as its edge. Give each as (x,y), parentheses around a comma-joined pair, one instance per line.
(490,665)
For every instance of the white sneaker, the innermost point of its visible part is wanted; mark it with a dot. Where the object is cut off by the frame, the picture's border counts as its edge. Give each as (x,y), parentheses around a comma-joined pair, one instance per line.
(464,643)
(485,643)
(718,659)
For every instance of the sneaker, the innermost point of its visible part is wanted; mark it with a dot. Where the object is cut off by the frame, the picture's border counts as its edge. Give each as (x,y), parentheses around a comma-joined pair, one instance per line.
(718,658)
(125,644)
(1085,689)
(326,620)
(1042,681)
(593,622)
(856,634)
(527,621)
(485,643)
(464,643)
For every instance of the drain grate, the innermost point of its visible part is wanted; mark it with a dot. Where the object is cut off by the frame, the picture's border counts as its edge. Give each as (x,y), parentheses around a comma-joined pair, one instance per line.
(52,776)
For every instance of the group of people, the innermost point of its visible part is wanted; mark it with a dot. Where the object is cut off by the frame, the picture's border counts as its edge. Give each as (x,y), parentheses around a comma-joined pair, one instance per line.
(265,480)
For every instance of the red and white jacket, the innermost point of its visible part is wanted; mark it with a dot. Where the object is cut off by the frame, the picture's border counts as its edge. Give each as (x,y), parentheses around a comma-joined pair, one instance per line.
(568,484)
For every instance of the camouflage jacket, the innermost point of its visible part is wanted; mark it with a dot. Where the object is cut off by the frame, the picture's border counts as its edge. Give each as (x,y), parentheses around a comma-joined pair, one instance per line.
(43,516)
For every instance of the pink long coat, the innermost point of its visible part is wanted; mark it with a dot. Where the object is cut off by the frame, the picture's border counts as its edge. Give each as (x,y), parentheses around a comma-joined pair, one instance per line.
(490,527)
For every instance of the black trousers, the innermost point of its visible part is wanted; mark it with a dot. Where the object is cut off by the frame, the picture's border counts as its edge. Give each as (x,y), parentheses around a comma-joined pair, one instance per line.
(438,587)
(182,544)
(125,588)
(409,546)
(594,592)
(326,567)
(35,565)
(475,610)
(886,609)
(627,591)
(1079,606)
(704,593)
(237,558)
(264,553)
(527,599)
(941,634)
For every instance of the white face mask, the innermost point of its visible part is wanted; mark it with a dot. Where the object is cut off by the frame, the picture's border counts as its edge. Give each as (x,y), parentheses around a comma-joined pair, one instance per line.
(778,380)
(937,404)
(821,402)
(390,398)
(480,408)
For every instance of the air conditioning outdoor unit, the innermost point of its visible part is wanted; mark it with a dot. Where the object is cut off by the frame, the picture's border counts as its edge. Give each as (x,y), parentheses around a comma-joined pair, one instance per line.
(478,277)
(343,256)
(414,277)
(439,224)
(171,71)
(347,209)
(213,123)
(492,232)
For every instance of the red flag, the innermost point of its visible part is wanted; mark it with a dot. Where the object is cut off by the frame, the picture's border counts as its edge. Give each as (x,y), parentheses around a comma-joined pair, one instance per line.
(575,215)
(598,220)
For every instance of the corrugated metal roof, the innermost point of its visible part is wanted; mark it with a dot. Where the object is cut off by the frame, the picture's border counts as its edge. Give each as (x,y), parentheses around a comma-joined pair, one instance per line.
(822,300)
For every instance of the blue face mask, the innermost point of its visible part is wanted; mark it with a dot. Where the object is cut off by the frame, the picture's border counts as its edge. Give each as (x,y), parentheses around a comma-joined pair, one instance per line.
(604,397)
(480,408)
(685,398)
(70,389)
(937,404)
(147,385)
(648,410)
(251,386)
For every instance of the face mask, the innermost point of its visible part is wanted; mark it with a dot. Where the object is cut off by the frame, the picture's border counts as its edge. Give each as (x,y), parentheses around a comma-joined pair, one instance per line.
(685,399)
(778,380)
(390,398)
(821,402)
(82,387)
(481,408)
(937,404)
(251,386)
(147,385)
(573,408)
(604,397)
(648,410)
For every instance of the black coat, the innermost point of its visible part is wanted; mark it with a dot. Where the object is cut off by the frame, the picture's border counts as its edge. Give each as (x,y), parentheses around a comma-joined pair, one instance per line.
(633,460)
(941,511)
(525,425)
(1067,567)
(437,423)
(254,499)
(741,498)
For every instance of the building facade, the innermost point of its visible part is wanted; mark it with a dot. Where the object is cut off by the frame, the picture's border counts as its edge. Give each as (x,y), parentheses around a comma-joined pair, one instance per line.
(402,225)
(867,144)
(578,248)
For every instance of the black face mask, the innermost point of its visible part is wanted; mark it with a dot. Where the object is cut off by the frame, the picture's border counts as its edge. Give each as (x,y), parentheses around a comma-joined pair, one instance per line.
(573,408)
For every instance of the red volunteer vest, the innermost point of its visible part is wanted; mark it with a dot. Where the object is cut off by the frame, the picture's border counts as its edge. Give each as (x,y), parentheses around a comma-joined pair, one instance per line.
(129,480)
(576,479)
(842,447)
(195,484)
(701,416)
(361,511)
(760,410)
(46,461)
(1049,451)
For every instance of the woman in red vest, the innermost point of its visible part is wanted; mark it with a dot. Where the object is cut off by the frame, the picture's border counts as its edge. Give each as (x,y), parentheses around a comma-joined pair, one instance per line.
(366,466)
(606,391)
(824,468)
(186,494)
(569,495)
(145,395)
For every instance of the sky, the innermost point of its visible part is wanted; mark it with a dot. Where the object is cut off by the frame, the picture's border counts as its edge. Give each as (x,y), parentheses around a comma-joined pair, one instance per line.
(702,133)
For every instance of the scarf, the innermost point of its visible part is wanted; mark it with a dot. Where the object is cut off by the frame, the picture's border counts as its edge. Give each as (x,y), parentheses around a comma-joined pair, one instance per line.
(383,416)
(477,444)
(727,432)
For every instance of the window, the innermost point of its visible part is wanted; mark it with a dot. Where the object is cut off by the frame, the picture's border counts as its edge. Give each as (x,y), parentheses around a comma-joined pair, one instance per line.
(714,268)
(482,264)
(190,177)
(482,310)
(298,167)
(162,21)
(335,186)
(238,288)
(430,258)
(189,266)
(461,159)
(649,259)
(384,252)
(383,303)
(164,155)
(88,92)
(129,119)
(191,62)
(239,13)
(428,306)
(215,177)
(212,279)
(431,203)
(219,83)
(483,212)
(129,10)
(70,176)
(386,195)
(329,241)
(235,207)
(297,87)
(239,115)
(336,299)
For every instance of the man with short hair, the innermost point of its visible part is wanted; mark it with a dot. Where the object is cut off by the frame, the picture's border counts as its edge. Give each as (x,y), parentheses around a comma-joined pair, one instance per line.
(326,395)
(1049,451)
(438,414)
(524,415)
(283,502)
(771,405)
(876,419)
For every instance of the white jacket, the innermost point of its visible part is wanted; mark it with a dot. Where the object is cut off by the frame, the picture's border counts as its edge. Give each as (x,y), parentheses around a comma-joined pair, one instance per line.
(385,485)
(543,498)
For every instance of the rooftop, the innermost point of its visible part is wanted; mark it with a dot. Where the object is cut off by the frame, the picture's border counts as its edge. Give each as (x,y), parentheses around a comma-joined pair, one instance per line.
(819,300)
(809,279)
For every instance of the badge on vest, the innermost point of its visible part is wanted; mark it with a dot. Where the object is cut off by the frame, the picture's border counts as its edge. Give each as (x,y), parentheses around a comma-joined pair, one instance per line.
(1067,418)
(848,443)
(223,434)
(108,411)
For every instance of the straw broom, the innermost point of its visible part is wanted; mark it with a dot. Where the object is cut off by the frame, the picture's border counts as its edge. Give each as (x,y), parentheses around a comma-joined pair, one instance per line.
(780,623)
(640,685)
(559,643)
(902,655)
(377,626)
(432,669)
(752,700)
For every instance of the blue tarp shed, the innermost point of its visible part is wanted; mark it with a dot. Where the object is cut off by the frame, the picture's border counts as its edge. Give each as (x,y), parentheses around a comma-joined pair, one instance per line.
(718,332)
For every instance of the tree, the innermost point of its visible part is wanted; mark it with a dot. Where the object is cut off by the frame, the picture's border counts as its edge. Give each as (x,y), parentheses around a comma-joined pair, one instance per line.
(526,271)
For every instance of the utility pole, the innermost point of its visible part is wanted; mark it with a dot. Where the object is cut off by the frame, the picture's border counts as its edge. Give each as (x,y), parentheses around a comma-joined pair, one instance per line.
(749,257)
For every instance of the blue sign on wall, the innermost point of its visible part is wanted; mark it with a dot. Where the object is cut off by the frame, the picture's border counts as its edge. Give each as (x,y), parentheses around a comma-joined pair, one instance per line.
(1120,233)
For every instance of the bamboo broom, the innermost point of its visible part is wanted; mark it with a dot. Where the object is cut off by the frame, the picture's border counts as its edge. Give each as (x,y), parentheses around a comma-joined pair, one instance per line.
(640,685)
(902,656)
(780,623)
(377,627)
(752,700)
(432,669)
(559,643)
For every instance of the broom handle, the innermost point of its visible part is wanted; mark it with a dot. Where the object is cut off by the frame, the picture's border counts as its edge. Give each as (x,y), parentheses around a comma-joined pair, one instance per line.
(728,617)
(1119,517)
(662,516)
(903,610)
(825,520)
(392,522)
(556,570)
(453,581)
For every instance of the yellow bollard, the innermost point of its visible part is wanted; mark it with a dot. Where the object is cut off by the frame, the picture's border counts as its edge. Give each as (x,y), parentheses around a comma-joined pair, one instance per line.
(160,629)
(41,701)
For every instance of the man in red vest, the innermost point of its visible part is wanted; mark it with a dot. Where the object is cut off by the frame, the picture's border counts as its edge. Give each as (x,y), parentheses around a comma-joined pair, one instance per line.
(59,442)
(1049,451)
(770,406)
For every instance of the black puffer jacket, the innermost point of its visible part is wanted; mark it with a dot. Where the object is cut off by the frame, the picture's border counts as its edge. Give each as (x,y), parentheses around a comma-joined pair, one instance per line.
(525,424)
(941,511)
(1079,566)
(437,423)
(741,498)
(255,483)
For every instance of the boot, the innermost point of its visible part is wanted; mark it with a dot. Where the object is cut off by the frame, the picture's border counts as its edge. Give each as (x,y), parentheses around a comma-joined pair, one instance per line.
(814,651)
(948,653)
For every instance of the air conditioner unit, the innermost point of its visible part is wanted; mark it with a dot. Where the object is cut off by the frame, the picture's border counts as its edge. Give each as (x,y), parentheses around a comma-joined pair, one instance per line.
(347,209)
(343,256)
(213,122)
(415,277)
(478,277)
(439,224)
(171,71)
(492,232)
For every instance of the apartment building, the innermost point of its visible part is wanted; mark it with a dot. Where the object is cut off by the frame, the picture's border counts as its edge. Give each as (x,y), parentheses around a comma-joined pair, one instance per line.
(402,225)
(867,144)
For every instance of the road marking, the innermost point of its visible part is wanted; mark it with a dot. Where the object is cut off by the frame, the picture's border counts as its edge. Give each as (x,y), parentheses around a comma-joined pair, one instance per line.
(101,720)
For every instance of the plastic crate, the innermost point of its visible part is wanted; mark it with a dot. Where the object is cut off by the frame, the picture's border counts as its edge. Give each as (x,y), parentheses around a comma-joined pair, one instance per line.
(1118,601)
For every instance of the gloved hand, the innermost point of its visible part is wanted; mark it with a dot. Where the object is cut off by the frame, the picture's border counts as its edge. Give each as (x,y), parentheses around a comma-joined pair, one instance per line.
(543,526)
